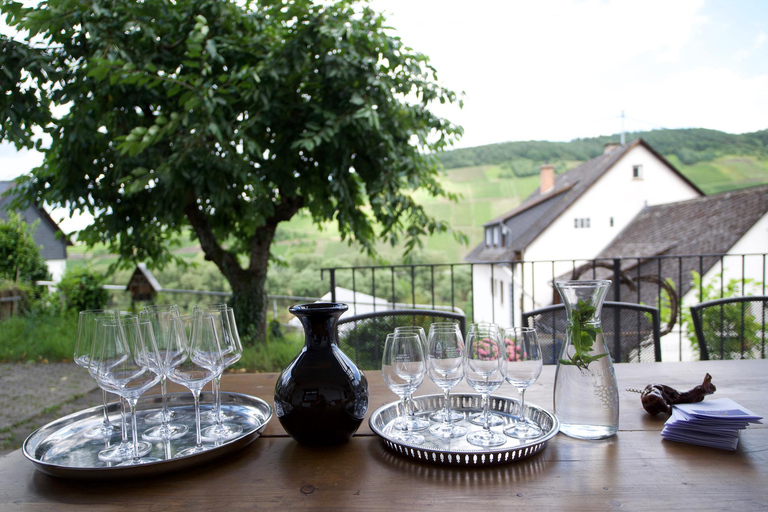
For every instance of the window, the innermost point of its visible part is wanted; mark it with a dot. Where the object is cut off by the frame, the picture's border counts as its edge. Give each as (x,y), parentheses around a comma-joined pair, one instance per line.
(496,236)
(637,172)
(501,292)
(581,223)
(488,237)
(611,221)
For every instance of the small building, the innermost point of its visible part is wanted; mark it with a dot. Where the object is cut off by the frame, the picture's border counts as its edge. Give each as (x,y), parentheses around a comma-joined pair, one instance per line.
(143,286)
(48,236)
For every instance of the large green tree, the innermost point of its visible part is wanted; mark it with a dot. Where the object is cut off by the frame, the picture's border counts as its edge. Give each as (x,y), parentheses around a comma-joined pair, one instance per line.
(229,117)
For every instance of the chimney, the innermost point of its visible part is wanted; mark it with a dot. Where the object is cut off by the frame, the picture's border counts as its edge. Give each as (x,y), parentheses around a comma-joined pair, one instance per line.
(610,146)
(547,178)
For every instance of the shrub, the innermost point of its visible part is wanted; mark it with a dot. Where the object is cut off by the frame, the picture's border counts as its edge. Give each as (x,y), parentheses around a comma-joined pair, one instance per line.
(82,289)
(20,259)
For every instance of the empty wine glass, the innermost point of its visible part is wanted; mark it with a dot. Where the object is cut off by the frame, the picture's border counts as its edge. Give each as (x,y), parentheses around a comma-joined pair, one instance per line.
(414,422)
(403,367)
(480,418)
(125,449)
(123,364)
(484,369)
(211,415)
(86,331)
(524,364)
(200,344)
(446,369)
(161,318)
(231,351)
(448,331)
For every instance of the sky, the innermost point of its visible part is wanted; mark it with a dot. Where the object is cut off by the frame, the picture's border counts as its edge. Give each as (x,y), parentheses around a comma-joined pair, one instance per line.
(564,69)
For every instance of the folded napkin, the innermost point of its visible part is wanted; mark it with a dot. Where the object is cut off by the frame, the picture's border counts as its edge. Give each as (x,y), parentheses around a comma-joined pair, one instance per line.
(713,423)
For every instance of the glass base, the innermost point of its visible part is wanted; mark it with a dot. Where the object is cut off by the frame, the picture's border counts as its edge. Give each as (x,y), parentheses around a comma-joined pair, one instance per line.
(523,429)
(223,432)
(439,416)
(209,416)
(408,437)
(192,451)
(145,460)
(102,431)
(486,438)
(165,432)
(413,424)
(494,420)
(157,417)
(447,431)
(123,451)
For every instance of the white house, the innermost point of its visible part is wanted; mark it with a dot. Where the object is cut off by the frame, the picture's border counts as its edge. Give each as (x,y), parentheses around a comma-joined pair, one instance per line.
(573,216)
(733,224)
(48,235)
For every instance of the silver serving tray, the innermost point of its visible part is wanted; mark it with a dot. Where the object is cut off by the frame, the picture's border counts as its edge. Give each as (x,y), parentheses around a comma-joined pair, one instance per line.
(458,452)
(60,449)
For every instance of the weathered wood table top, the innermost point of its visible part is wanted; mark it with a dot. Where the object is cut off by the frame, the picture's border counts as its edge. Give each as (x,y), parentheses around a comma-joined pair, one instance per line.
(635,470)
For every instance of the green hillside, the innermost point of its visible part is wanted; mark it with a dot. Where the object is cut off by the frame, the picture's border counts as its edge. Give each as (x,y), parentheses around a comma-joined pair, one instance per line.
(495,180)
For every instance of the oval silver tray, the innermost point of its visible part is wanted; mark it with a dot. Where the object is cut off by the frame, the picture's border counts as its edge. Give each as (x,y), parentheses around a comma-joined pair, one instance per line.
(60,448)
(458,452)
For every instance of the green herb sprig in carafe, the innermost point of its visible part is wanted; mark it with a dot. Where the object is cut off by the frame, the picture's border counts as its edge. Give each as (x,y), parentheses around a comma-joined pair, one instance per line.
(583,336)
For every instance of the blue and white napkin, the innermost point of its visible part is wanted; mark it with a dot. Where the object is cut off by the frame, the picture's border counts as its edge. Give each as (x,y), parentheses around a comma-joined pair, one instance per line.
(714,423)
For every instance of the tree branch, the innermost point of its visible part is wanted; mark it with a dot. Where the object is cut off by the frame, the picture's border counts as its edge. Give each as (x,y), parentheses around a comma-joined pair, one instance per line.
(225,260)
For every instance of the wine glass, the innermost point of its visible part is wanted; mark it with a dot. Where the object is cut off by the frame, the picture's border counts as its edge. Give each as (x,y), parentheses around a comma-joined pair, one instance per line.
(86,330)
(211,415)
(446,369)
(446,331)
(125,449)
(403,368)
(484,368)
(414,423)
(123,364)
(231,351)
(480,418)
(524,364)
(200,344)
(161,318)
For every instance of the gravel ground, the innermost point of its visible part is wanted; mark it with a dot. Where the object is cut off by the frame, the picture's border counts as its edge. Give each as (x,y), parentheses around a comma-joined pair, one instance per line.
(34,394)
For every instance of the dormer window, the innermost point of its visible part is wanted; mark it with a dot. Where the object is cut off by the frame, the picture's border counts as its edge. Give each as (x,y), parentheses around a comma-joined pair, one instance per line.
(496,235)
(488,237)
(637,172)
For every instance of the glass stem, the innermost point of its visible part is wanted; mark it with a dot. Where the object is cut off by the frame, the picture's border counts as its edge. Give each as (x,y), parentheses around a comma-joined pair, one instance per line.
(404,418)
(165,399)
(106,422)
(132,402)
(486,415)
(446,407)
(125,421)
(217,398)
(522,424)
(198,437)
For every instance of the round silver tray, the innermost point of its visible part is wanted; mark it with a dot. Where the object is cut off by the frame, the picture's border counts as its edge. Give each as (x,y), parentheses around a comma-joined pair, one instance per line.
(458,452)
(60,448)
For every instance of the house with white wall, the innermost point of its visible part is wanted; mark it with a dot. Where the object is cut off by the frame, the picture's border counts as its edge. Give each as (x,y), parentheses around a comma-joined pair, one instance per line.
(48,236)
(572,216)
(732,226)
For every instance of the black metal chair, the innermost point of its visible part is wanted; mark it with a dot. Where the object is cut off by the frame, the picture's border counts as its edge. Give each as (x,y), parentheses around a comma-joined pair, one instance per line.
(636,340)
(362,337)
(731,328)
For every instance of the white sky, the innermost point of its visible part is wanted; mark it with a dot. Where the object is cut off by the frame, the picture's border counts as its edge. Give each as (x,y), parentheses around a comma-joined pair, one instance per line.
(563,69)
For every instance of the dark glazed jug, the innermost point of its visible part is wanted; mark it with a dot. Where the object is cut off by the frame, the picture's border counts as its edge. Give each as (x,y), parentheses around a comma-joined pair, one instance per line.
(321,397)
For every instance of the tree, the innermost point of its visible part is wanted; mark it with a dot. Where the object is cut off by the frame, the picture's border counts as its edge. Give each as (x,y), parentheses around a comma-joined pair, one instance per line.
(20,259)
(231,117)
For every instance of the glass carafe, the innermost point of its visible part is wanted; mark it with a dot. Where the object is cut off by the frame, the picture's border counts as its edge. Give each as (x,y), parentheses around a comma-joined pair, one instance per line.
(586,397)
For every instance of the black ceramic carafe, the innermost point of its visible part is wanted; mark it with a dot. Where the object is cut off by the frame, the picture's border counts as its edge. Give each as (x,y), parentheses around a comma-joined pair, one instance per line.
(321,397)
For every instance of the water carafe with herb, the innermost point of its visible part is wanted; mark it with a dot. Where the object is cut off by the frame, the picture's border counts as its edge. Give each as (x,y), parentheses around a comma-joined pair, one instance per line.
(586,397)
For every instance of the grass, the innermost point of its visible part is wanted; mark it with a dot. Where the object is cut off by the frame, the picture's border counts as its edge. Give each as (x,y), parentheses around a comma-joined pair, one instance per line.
(38,338)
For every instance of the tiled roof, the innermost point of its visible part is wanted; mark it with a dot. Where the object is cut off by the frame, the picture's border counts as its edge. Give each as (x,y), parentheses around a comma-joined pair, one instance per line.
(705,225)
(543,209)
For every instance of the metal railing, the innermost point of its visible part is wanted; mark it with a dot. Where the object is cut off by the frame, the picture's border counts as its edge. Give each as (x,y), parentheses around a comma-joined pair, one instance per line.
(502,291)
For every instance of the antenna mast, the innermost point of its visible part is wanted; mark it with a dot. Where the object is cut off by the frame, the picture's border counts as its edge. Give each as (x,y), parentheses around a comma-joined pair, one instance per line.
(623,136)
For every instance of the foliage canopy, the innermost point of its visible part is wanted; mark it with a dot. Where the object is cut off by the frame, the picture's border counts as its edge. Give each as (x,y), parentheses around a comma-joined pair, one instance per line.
(229,118)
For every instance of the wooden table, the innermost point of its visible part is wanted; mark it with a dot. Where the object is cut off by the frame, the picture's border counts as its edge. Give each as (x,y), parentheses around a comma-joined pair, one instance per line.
(635,470)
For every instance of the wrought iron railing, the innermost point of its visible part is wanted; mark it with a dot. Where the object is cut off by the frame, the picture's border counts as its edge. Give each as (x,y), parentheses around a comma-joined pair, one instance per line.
(511,288)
